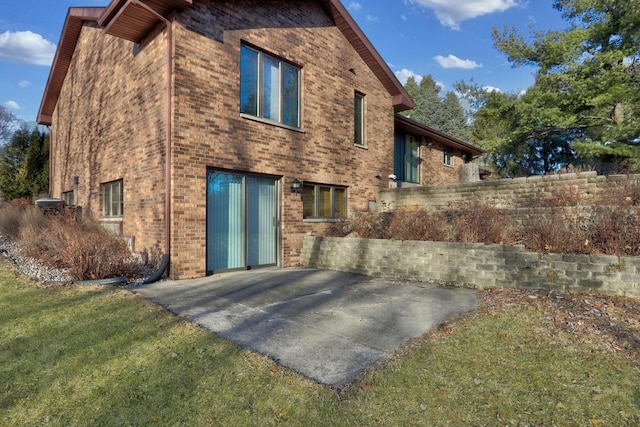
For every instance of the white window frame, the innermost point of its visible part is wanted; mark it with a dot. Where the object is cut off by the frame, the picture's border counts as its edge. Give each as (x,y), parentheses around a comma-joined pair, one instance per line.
(113,199)
(67,197)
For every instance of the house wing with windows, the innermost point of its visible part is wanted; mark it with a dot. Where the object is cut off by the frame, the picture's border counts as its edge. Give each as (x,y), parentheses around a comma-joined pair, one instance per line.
(219,132)
(426,156)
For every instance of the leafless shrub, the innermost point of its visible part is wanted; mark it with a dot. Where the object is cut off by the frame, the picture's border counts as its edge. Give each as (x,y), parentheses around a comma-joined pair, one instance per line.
(560,231)
(84,248)
(481,223)
(616,231)
(415,223)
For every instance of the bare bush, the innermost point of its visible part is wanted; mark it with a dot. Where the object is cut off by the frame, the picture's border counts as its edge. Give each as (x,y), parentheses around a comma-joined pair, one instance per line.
(84,248)
(616,231)
(560,231)
(481,223)
(415,223)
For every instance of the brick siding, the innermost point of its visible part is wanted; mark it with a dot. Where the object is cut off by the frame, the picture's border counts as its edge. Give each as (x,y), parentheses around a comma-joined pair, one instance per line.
(109,122)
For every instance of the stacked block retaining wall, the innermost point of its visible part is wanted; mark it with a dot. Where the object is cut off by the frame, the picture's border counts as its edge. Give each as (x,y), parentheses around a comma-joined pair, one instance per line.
(474,265)
(506,193)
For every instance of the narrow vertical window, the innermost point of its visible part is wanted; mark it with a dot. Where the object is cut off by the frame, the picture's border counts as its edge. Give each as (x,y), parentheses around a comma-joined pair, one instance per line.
(358,119)
(448,157)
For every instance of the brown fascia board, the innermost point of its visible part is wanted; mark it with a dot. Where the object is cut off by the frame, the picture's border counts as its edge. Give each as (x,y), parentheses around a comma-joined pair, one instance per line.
(76,17)
(401,99)
(416,128)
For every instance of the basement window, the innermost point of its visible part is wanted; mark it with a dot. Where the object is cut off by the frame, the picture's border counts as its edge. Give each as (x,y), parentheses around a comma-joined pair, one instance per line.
(112,199)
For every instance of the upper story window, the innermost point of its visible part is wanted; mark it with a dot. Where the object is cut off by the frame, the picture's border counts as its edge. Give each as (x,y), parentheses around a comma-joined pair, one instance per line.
(448,157)
(112,199)
(358,119)
(269,87)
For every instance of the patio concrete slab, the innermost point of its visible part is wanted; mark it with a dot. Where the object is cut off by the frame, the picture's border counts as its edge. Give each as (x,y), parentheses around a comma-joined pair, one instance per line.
(326,325)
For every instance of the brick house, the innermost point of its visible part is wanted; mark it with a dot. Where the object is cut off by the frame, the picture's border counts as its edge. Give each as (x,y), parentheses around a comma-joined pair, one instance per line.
(426,156)
(185,125)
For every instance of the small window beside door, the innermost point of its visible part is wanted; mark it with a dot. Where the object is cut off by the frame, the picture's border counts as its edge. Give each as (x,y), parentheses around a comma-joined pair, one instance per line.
(320,201)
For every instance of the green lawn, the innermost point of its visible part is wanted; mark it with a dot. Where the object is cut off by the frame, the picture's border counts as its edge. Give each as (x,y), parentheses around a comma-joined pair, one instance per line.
(104,356)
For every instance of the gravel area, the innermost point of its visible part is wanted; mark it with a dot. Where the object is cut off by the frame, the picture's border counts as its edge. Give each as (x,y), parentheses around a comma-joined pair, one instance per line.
(28,266)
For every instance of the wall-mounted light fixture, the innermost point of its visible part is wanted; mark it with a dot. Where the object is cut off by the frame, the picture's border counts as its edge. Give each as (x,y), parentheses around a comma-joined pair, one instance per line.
(296,186)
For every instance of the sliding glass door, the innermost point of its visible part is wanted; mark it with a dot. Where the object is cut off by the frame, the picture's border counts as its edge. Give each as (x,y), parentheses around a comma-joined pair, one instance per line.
(242,220)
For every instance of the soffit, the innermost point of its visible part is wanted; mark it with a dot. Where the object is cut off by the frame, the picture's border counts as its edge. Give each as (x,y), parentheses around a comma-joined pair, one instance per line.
(133,19)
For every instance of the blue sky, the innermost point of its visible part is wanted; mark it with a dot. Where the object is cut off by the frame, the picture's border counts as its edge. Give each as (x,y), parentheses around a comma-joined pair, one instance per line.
(449,39)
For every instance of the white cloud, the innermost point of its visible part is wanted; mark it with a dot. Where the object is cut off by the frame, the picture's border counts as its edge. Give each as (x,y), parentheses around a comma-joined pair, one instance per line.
(404,74)
(453,61)
(371,18)
(25,47)
(355,6)
(491,89)
(13,105)
(452,13)
(24,83)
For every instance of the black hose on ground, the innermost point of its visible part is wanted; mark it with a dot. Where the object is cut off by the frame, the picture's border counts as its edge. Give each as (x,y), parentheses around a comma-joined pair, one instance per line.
(164,264)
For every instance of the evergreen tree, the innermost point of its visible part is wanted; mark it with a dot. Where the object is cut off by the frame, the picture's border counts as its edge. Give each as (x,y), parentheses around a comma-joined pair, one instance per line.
(444,114)
(587,88)
(24,165)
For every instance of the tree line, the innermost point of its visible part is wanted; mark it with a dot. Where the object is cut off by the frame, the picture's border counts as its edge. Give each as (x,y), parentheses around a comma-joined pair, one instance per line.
(583,110)
(24,159)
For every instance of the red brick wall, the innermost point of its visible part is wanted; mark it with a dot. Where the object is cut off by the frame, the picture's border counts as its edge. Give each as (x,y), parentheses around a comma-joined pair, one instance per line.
(109,122)
(209,131)
(108,125)
(433,171)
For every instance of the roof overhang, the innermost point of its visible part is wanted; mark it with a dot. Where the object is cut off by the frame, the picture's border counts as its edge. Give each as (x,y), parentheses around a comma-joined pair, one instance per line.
(412,127)
(401,99)
(133,19)
(76,18)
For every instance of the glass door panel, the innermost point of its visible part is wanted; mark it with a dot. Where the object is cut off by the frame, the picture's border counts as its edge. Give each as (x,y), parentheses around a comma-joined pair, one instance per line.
(261,221)
(225,230)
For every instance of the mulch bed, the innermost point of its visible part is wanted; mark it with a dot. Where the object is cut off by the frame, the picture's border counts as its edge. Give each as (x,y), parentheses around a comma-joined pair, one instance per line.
(604,323)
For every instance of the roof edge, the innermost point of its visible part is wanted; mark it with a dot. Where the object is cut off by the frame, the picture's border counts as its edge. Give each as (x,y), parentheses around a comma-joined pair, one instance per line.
(438,135)
(76,17)
(401,99)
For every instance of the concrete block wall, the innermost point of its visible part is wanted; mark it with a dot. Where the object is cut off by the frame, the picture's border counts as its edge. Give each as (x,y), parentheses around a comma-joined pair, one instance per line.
(474,265)
(506,193)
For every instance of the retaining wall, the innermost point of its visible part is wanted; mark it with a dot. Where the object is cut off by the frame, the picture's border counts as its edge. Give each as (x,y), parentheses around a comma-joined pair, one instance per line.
(504,193)
(474,265)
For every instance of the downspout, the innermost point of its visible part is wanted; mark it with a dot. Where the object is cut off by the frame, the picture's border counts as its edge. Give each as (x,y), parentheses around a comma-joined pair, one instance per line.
(50,191)
(168,122)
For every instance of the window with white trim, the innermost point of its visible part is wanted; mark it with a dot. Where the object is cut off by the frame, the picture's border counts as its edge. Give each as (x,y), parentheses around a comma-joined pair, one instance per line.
(324,201)
(112,199)
(269,87)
